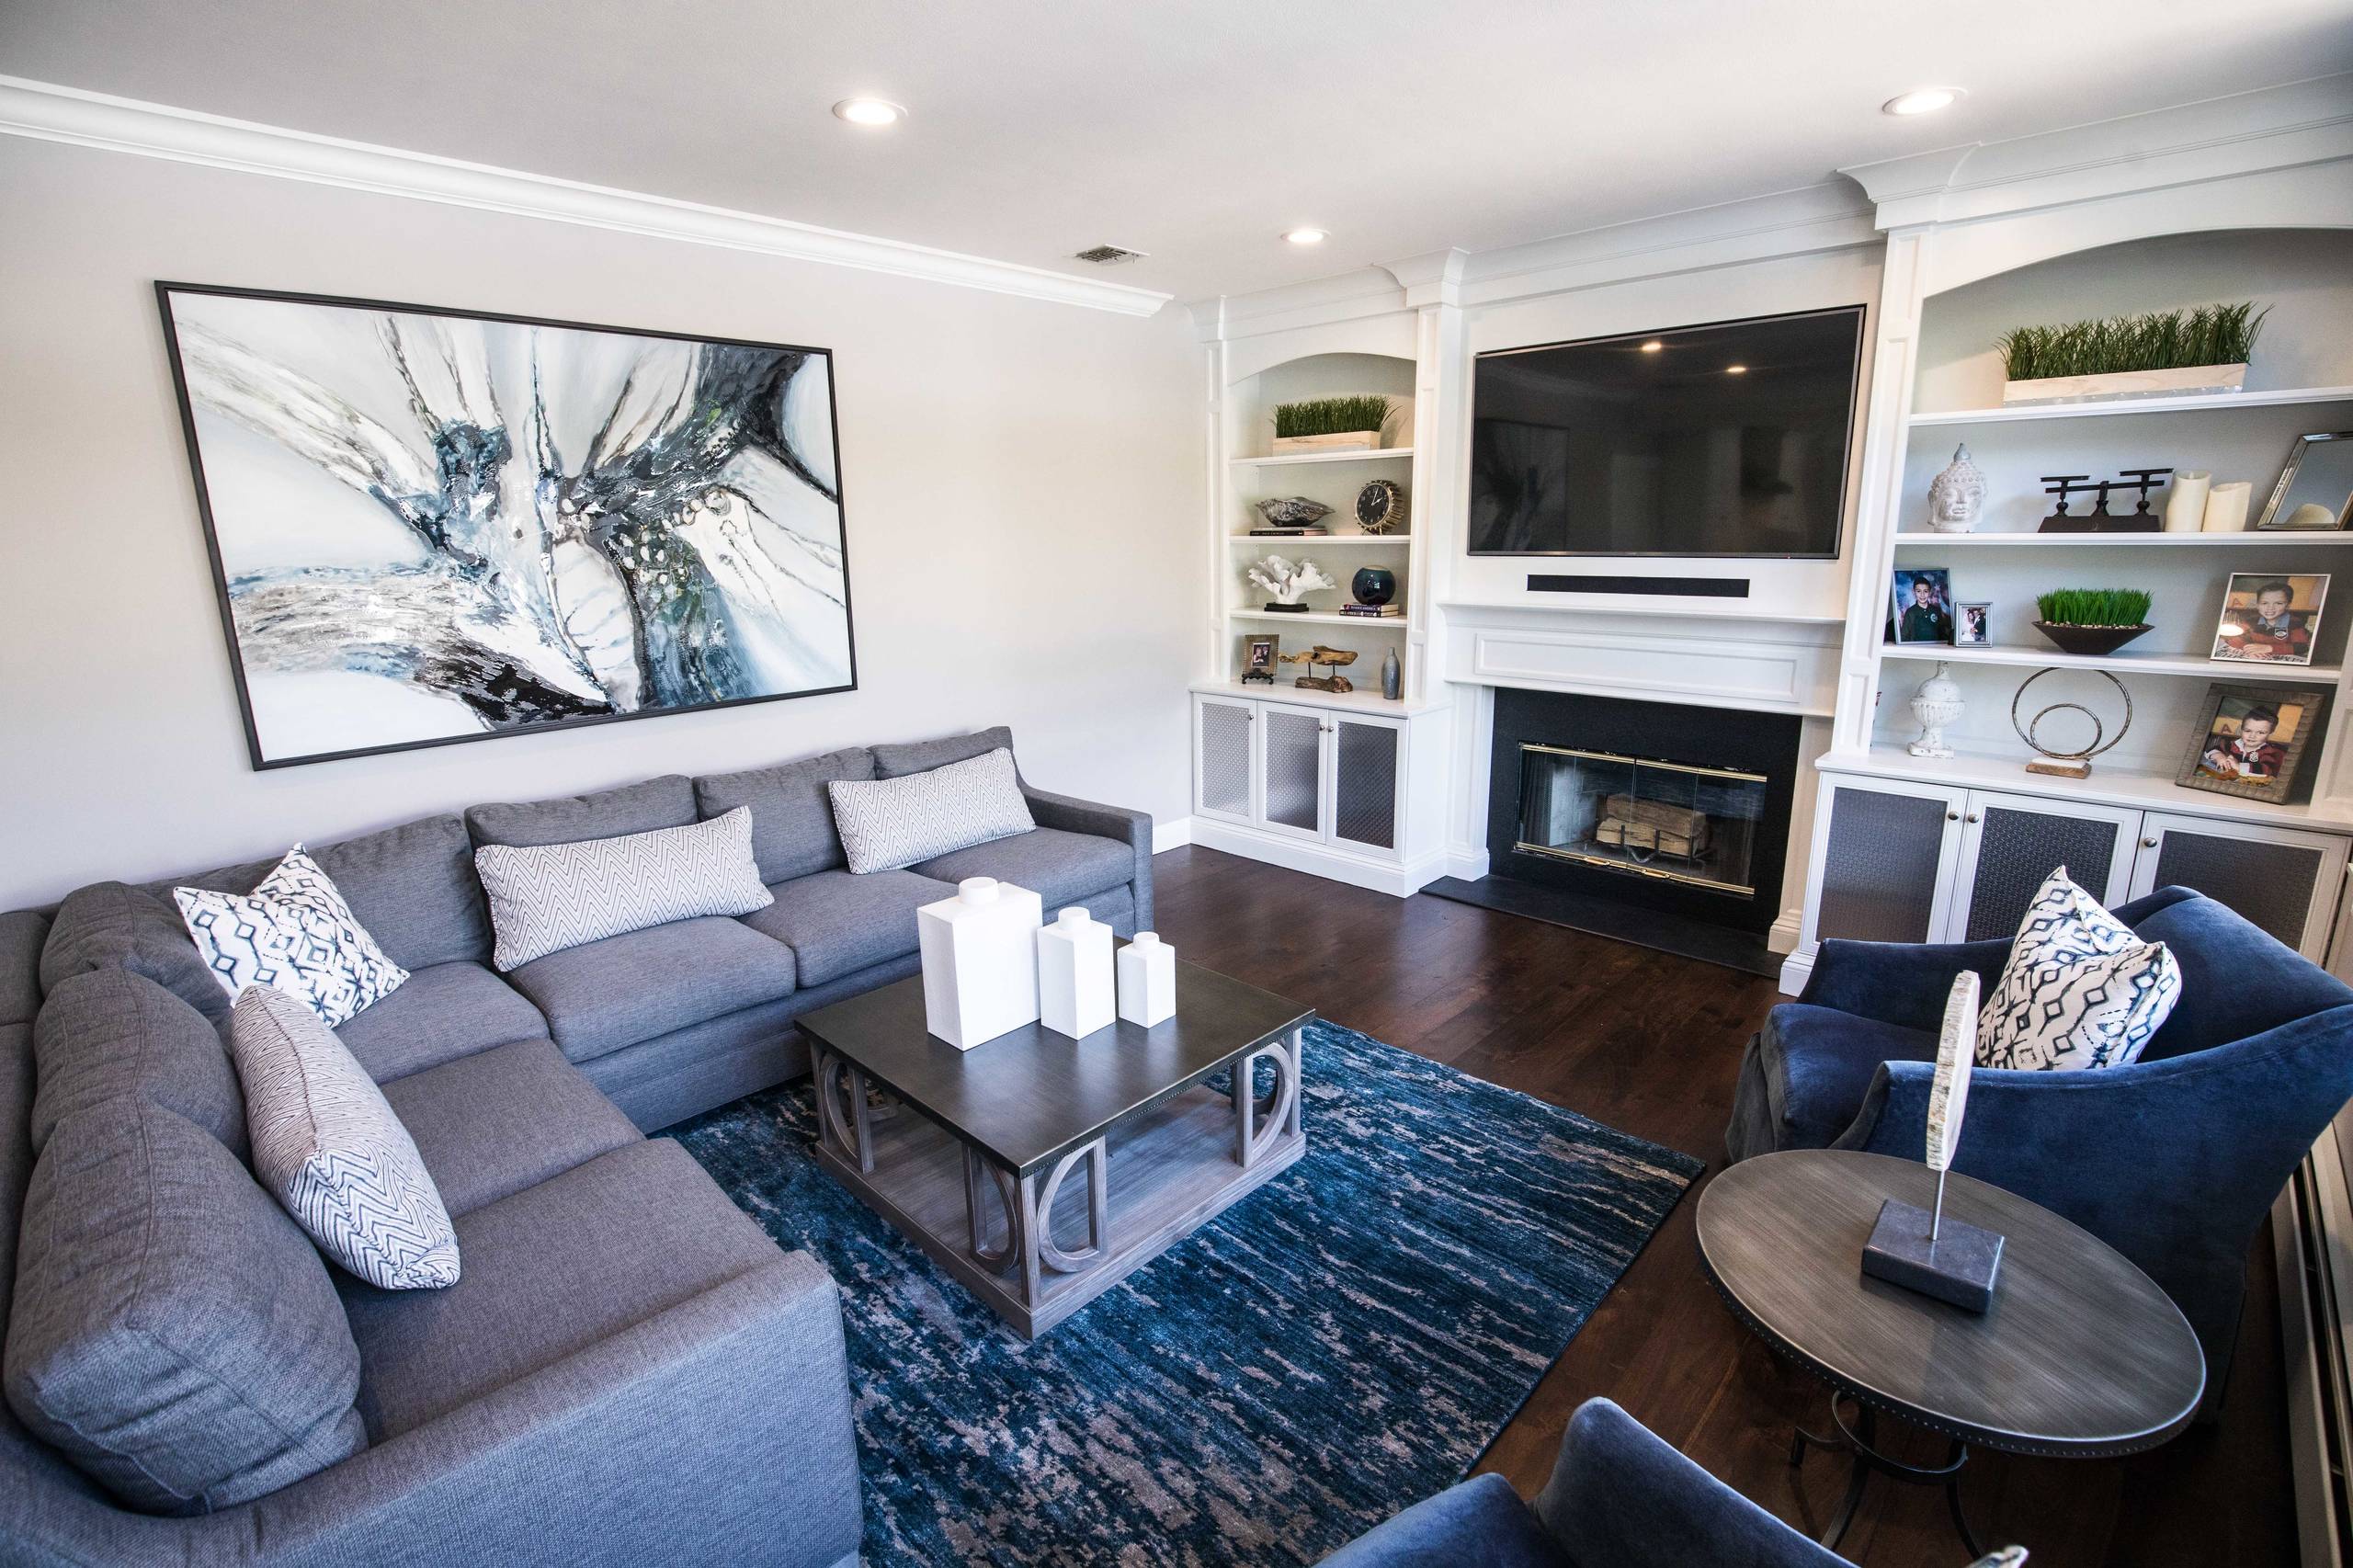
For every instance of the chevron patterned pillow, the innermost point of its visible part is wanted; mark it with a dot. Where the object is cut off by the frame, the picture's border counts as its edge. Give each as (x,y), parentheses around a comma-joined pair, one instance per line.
(547,897)
(2081,988)
(892,823)
(293,932)
(328,1146)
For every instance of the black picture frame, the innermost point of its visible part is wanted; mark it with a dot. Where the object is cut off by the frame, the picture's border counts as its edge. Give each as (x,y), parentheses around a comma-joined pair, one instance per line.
(164,292)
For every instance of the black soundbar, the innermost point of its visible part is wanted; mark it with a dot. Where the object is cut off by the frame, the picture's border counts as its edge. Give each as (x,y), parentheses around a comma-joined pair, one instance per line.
(1676,588)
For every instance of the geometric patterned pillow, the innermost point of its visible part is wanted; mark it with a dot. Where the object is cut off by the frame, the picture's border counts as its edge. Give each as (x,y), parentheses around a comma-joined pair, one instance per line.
(892,823)
(2081,989)
(328,1146)
(544,898)
(294,934)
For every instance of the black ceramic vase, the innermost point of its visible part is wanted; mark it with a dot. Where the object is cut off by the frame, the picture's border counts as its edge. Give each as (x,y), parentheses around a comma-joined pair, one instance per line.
(1373,584)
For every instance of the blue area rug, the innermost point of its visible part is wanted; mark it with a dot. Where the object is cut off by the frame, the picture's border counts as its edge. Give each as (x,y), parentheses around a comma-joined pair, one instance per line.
(1342,1342)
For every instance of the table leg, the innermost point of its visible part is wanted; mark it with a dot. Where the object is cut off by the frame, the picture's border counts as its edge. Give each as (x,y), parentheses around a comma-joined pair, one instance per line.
(842,1120)
(1860,1442)
(1259,1126)
(1953,1457)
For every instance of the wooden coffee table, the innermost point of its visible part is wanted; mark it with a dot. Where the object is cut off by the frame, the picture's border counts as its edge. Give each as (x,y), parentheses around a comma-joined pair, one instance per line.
(983,1175)
(2080,1355)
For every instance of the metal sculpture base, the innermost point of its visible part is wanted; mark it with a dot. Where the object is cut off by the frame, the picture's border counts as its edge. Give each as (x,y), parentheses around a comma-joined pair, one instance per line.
(2054,769)
(1860,1441)
(1957,1266)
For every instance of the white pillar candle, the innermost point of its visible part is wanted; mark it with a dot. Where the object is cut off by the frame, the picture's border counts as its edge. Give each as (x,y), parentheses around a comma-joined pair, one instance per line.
(1075,983)
(1147,980)
(2186,501)
(2226,508)
(980,960)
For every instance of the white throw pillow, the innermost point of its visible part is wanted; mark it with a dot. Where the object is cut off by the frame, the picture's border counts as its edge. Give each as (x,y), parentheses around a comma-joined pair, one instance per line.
(2081,989)
(545,898)
(328,1146)
(888,823)
(294,934)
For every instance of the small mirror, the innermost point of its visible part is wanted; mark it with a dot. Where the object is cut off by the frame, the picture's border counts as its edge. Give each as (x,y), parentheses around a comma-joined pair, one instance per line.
(2316,490)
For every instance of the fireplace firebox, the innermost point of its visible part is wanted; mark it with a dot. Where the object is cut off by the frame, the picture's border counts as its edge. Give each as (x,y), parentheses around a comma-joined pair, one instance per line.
(1673,820)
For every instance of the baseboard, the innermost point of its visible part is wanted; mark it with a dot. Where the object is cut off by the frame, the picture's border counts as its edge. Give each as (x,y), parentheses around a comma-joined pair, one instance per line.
(1795,970)
(1469,865)
(1174,834)
(1781,937)
(1317,859)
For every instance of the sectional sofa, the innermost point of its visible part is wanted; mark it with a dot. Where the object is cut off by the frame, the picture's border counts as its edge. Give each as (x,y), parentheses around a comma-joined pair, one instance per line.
(630,1371)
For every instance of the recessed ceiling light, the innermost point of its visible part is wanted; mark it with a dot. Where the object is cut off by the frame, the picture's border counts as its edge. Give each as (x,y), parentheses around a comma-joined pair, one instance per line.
(1653,347)
(1306,236)
(1735,370)
(870,111)
(1922,100)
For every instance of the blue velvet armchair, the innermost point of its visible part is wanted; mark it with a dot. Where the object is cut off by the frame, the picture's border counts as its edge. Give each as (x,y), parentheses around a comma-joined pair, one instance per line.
(1618,1497)
(2173,1160)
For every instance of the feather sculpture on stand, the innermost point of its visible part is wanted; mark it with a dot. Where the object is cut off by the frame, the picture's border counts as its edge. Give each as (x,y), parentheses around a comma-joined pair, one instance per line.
(1948,1096)
(1913,1247)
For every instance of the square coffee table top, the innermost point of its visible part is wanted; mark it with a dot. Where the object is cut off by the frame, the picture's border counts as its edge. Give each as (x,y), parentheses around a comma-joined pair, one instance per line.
(1031,1096)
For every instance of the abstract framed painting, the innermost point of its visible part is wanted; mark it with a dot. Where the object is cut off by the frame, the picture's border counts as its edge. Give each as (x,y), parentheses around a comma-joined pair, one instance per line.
(431,526)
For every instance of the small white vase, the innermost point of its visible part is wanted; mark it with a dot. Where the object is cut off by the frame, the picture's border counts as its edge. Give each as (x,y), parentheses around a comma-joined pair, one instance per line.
(1937,704)
(2226,508)
(1075,983)
(2186,501)
(1147,980)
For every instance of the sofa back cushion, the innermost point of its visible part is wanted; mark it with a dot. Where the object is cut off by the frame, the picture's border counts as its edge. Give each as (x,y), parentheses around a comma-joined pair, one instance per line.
(666,801)
(115,925)
(111,1034)
(2237,980)
(922,756)
(172,1333)
(22,933)
(792,822)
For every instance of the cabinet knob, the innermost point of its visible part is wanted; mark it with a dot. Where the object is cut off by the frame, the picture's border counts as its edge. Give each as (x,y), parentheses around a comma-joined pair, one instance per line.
(1953,816)
(1972,817)
(2148,844)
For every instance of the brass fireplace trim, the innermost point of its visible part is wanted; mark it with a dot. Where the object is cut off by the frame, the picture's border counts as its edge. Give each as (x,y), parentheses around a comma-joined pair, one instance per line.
(1732,773)
(1660,873)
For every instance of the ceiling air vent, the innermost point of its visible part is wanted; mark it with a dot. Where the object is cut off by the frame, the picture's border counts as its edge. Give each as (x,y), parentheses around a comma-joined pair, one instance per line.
(1109,255)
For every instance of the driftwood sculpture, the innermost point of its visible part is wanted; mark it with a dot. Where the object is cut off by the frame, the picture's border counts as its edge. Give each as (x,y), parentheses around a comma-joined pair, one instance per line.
(1336,658)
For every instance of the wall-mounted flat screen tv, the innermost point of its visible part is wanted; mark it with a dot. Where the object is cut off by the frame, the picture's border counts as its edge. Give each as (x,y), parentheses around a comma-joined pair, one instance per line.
(1725,439)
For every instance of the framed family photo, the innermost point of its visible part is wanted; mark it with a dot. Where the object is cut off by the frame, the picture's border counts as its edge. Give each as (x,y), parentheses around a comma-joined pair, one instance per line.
(2250,740)
(1920,607)
(1258,650)
(1968,624)
(2270,618)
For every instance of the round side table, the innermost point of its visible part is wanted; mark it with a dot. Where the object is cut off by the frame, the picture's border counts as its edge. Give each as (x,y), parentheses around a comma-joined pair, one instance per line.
(2080,1355)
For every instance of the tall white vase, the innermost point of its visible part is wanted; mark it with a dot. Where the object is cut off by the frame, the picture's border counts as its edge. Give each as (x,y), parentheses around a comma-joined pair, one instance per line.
(2186,501)
(1075,983)
(980,960)
(1147,980)
(1936,704)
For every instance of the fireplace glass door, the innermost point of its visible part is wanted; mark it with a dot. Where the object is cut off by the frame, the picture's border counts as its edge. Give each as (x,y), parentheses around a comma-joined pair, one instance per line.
(1667,820)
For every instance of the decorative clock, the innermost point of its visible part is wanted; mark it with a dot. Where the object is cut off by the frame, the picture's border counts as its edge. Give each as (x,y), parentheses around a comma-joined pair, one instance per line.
(1381,507)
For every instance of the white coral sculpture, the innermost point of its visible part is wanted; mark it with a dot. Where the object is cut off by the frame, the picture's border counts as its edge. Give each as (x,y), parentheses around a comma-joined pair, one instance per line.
(1289,584)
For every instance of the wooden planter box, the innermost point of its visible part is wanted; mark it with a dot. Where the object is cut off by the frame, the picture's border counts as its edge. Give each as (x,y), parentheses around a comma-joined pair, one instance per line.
(1347,441)
(2190,382)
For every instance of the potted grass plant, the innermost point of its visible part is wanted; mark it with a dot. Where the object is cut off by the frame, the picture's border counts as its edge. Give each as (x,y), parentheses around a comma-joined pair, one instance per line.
(2160,354)
(2092,620)
(1330,423)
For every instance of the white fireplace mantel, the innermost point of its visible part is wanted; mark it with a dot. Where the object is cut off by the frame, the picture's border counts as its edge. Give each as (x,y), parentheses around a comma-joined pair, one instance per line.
(1733,657)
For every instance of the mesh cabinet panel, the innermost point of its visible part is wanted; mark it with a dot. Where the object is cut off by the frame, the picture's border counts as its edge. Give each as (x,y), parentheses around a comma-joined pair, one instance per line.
(1366,786)
(2015,850)
(1294,757)
(2271,884)
(1225,758)
(1879,870)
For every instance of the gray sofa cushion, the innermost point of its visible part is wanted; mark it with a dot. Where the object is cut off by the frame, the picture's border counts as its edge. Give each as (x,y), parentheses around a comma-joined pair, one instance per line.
(793,821)
(412,886)
(1059,868)
(834,922)
(115,925)
(110,1033)
(494,1123)
(22,933)
(666,801)
(443,1013)
(919,756)
(550,1271)
(604,995)
(174,1331)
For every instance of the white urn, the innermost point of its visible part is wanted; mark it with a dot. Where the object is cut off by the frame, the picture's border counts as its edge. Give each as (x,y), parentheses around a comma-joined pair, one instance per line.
(1937,704)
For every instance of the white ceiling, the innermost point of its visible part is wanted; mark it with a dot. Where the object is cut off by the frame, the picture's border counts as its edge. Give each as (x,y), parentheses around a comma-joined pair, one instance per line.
(1195,129)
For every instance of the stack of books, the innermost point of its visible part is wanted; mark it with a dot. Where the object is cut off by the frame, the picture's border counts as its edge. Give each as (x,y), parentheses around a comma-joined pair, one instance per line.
(1378,612)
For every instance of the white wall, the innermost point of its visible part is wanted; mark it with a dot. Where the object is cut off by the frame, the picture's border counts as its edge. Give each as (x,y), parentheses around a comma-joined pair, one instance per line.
(1022,481)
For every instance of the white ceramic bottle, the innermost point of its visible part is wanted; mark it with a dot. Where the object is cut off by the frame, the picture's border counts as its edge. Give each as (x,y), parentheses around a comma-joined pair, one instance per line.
(1147,980)
(980,960)
(1074,986)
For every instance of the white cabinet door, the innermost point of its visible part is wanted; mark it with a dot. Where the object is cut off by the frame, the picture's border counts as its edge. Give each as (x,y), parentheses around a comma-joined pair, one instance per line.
(2282,879)
(1293,767)
(1368,783)
(2010,844)
(1884,854)
(1225,763)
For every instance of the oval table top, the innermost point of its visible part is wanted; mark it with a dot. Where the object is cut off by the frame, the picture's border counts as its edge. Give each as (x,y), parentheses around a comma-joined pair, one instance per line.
(2081,1353)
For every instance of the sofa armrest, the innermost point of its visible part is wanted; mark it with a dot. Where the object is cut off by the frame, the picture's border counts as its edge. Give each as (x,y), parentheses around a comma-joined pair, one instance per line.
(718,1431)
(1133,829)
(1903,984)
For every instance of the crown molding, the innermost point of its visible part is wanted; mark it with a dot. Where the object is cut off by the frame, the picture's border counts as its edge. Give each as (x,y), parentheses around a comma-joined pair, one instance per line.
(48,112)
(1287,307)
(1434,277)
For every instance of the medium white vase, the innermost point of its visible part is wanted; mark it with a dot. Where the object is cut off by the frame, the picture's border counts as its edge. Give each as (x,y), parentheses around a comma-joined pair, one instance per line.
(1075,983)
(1935,705)
(2186,501)
(980,962)
(1147,980)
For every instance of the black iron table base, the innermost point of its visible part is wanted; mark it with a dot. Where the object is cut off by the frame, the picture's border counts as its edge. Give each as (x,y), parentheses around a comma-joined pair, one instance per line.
(1860,1441)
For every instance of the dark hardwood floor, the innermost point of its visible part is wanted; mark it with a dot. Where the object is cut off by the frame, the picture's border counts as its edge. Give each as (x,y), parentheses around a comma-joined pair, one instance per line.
(1651,1043)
